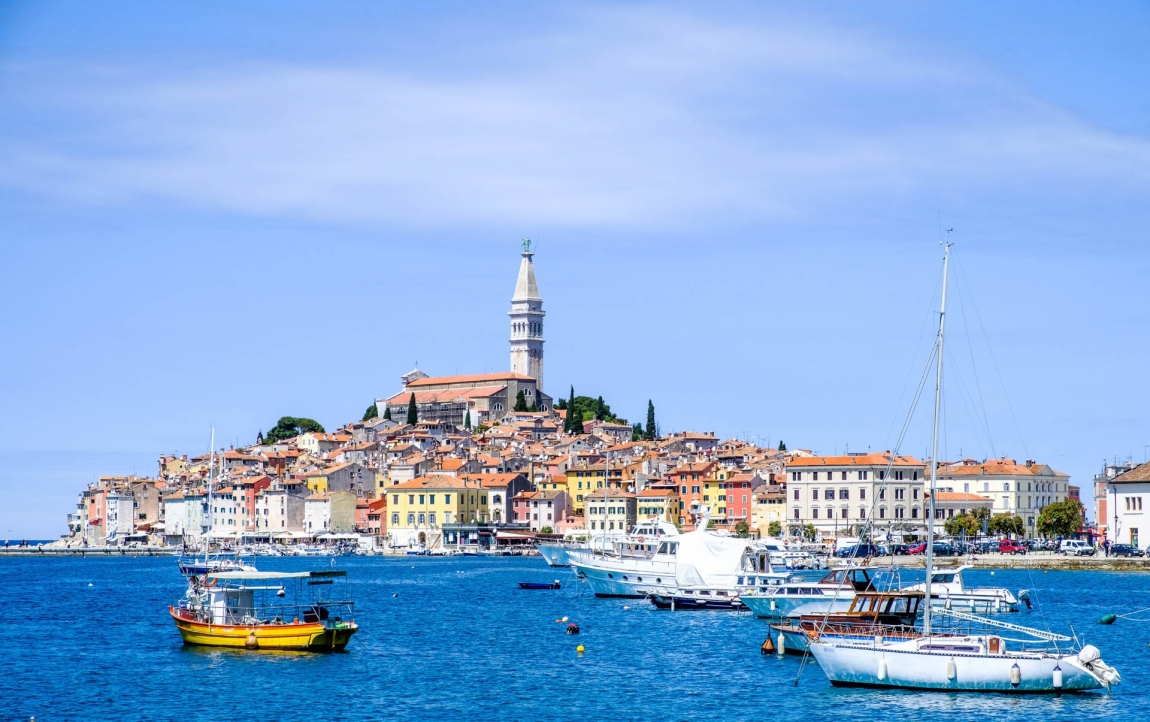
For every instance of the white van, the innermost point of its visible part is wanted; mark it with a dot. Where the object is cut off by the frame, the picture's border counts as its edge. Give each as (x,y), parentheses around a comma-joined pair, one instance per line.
(1077,547)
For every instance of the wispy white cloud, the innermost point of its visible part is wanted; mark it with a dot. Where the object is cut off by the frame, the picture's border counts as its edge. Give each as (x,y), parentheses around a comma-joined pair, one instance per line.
(626,119)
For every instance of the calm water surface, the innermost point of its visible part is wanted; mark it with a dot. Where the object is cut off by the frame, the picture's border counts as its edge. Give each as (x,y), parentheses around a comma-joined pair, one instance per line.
(461,642)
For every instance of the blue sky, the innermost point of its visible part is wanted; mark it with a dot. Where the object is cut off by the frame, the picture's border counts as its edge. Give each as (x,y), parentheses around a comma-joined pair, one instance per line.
(221,214)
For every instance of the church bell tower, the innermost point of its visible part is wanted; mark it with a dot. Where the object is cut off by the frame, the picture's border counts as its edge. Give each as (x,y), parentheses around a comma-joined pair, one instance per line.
(527,321)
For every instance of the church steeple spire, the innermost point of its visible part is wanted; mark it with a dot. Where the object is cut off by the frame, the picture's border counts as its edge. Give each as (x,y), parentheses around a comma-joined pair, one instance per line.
(527,321)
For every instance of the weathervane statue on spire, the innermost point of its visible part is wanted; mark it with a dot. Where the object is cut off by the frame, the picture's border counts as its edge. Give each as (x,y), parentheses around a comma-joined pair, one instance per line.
(527,245)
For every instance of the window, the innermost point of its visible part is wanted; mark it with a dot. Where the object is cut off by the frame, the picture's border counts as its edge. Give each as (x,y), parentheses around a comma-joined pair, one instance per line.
(844,493)
(1006,486)
(1133,503)
(899,494)
(843,513)
(798,513)
(694,490)
(431,499)
(882,493)
(899,512)
(431,518)
(395,519)
(844,476)
(882,512)
(411,519)
(796,476)
(862,512)
(796,494)
(814,494)
(862,476)
(495,499)
(862,493)
(447,498)
(422,519)
(706,497)
(814,476)
(829,494)
(914,493)
(815,513)
(744,498)
(446,517)
(411,498)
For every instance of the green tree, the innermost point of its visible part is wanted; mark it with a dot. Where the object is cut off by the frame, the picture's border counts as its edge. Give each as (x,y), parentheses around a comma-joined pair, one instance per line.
(547,530)
(742,530)
(1061,518)
(568,420)
(576,423)
(561,404)
(289,427)
(520,402)
(637,432)
(651,430)
(600,409)
(809,532)
(1007,524)
(467,420)
(774,529)
(371,413)
(782,445)
(412,411)
(963,523)
(387,413)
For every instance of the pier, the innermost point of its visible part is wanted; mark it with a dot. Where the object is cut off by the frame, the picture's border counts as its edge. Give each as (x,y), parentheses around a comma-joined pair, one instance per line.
(114,551)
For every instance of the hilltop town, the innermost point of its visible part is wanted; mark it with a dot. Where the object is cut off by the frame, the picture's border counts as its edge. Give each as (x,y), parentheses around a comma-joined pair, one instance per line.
(491,460)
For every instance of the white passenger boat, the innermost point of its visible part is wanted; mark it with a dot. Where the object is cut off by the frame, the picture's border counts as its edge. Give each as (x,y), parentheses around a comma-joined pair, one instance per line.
(834,592)
(698,560)
(954,659)
(949,590)
(554,552)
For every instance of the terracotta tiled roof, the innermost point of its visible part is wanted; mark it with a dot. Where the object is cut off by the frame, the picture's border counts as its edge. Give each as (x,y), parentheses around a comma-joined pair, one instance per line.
(859,460)
(1138,473)
(468,379)
(445,395)
(959,496)
(990,467)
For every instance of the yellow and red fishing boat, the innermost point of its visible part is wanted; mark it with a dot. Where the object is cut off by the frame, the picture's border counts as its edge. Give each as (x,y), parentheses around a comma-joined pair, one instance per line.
(232,609)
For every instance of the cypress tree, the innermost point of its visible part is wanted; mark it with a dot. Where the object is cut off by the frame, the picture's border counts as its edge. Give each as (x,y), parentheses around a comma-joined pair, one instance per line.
(576,424)
(467,420)
(387,413)
(412,411)
(600,409)
(520,402)
(782,445)
(569,421)
(651,432)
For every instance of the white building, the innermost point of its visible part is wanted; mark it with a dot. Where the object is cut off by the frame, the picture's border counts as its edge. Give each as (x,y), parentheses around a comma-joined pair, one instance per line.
(837,494)
(118,515)
(1021,489)
(949,504)
(184,516)
(1129,504)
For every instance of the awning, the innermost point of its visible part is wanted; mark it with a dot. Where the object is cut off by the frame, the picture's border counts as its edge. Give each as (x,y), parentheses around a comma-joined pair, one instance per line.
(222,535)
(299,535)
(513,535)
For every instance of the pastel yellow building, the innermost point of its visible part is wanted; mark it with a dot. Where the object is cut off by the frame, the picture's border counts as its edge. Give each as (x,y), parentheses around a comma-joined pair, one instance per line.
(418,509)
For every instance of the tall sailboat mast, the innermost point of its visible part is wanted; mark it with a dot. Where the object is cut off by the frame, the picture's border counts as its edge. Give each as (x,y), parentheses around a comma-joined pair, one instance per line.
(934,446)
(211,485)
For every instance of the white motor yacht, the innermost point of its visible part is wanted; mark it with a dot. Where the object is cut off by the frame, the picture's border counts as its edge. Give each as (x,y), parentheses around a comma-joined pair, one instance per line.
(949,590)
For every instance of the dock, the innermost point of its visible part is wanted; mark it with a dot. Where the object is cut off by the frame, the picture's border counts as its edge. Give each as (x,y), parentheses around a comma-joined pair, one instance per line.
(75,551)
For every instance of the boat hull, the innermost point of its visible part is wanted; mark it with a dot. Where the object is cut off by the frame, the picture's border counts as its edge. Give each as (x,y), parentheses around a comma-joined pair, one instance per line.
(683,604)
(772,606)
(863,666)
(554,554)
(306,636)
(625,578)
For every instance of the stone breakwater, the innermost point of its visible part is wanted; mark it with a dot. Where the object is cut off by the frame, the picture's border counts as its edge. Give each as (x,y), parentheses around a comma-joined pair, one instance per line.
(59,551)
(1022,561)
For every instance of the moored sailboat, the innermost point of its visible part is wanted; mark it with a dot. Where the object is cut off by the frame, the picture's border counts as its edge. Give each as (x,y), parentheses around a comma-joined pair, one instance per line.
(954,659)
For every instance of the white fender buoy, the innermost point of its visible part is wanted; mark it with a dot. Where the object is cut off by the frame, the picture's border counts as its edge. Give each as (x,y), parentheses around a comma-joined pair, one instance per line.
(882,670)
(782,645)
(1057,677)
(947,605)
(878,640)
(772,602)
(951,669)
(1015,675)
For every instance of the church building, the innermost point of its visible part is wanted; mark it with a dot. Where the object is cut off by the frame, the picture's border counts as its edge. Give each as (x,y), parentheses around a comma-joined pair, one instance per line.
(486,397)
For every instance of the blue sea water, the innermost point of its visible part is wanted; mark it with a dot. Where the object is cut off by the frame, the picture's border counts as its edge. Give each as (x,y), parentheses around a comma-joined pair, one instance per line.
(461,642)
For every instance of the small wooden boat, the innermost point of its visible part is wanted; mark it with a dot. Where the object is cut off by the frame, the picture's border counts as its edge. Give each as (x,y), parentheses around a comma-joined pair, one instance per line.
(539,585)
(688,599)
(885,614)
(231,609)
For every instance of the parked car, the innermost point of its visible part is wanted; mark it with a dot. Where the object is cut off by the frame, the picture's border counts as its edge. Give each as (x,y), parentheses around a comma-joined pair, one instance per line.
(1009,546)
(859,551)
(1077,547)
(1125,550)
(941,549)
(901,549)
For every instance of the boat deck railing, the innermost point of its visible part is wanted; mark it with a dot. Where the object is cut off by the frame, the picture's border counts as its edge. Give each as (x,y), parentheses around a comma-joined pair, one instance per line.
(327,612)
